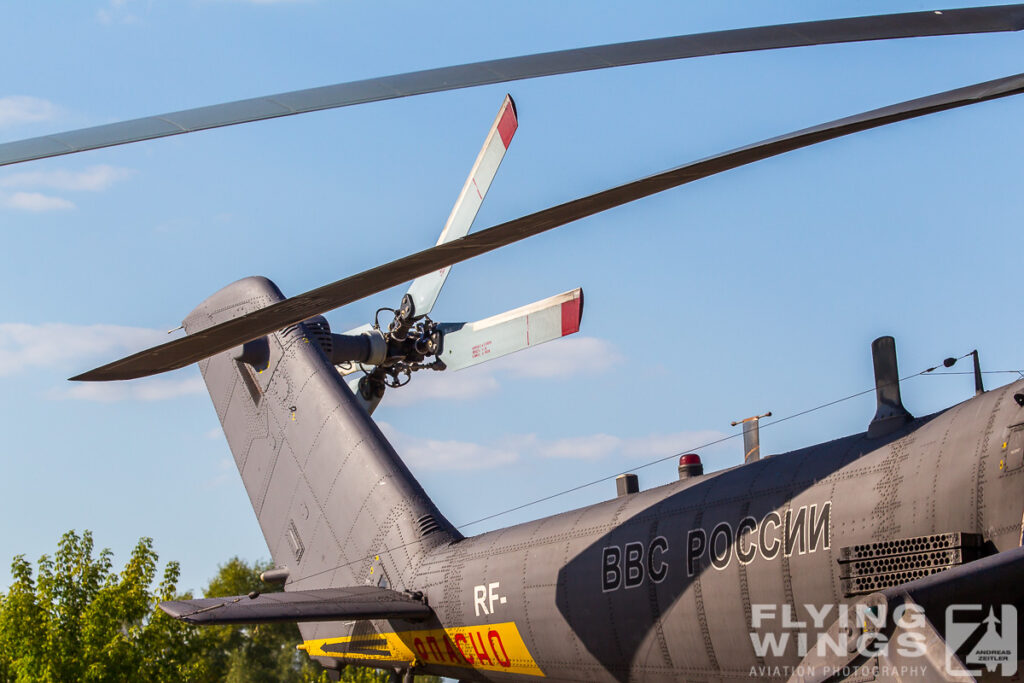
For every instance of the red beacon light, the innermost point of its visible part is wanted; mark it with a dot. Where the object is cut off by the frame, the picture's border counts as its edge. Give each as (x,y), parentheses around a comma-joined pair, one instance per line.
(690,466)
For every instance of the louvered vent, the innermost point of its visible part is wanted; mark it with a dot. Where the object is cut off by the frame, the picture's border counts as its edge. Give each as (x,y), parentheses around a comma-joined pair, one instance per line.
(427,525)
(319,331)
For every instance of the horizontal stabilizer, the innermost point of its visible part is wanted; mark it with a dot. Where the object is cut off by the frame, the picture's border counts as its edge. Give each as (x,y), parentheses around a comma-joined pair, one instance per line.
(325,604)
(467,344)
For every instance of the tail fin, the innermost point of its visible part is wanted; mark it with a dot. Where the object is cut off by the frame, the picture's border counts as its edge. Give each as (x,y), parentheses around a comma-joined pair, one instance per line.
(336,504)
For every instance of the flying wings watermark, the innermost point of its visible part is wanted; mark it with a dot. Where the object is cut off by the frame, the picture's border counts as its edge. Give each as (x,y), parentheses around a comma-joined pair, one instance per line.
(979,639)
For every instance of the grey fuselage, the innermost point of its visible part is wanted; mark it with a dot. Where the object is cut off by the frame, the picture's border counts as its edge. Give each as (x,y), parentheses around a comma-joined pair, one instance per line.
(660,585)
(939,474)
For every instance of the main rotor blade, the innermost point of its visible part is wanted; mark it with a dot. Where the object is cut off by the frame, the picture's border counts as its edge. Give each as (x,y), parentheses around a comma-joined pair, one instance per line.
(425,289)
(227,335)
(882,27)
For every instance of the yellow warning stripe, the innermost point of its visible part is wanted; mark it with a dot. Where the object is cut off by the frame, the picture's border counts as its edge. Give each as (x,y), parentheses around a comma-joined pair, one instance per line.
(491,647)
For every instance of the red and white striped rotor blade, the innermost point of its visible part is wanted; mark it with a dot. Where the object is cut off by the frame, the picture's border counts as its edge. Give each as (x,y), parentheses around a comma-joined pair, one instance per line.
(466,344)
(425,289)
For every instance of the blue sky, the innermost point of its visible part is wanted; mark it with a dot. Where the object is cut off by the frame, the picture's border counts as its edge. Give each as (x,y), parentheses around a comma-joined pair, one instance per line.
(759,289)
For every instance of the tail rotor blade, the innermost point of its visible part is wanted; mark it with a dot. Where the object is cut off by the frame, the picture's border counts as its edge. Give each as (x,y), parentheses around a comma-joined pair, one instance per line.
(466,344)
(425,289)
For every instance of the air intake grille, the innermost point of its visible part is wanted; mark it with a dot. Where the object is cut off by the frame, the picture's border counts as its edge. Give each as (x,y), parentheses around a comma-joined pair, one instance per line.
(904,546)
(877,582)
(871,567)
(902,563)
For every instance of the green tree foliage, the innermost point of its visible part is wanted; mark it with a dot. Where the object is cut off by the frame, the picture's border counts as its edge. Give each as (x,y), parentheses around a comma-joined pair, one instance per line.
(260,654)
(77,620)
(74,619)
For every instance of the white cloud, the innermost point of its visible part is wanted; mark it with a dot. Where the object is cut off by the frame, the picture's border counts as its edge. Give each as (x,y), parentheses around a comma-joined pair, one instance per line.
(560,358)
(661,445)
(581,447)
(18,109)
(24,346)
(36,201)
(116,12)
(91,179)
(433,454)
(456,386)
(150,389)
(226,473)
(650,447)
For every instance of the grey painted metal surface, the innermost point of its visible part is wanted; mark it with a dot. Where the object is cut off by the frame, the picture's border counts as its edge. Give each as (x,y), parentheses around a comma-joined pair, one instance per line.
(948,22)
(751,436)
(751,441)
(659,585)
(627,484)
(891,415)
